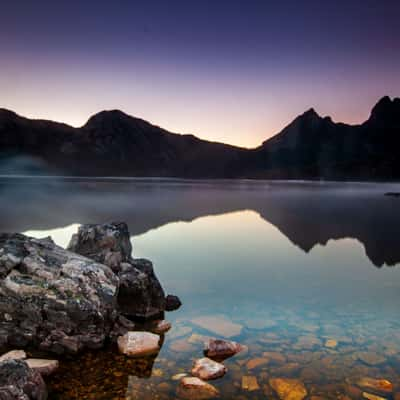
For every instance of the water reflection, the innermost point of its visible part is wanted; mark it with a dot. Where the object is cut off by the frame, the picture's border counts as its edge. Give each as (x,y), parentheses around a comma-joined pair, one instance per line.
(308,214)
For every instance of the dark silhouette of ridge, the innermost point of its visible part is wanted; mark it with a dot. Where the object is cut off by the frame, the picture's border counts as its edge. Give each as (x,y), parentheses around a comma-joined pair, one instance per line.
(113,143)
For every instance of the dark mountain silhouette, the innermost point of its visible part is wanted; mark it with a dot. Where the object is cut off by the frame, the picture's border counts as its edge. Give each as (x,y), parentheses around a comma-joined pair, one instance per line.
(112,143)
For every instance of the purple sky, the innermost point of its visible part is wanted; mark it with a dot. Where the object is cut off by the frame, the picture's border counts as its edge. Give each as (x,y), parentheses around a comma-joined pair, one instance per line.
(226,70)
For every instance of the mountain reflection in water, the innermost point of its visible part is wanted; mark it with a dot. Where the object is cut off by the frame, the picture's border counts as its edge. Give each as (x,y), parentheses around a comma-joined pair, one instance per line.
(307,213)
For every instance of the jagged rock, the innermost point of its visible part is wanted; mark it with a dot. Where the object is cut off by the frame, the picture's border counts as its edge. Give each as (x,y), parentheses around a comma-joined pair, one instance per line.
(219,349)
(52,298)
(44,367)
(140,293)
(13,355)
(107,244)
(172,303)
(207,369)
(19,382)
(139,344)
(288,389)
(195,389)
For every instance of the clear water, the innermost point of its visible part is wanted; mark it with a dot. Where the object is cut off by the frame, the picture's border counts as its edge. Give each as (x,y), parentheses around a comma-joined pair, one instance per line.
(306,270)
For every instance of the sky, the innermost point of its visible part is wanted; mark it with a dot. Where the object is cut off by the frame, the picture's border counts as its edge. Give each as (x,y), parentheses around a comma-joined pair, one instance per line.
(224,70)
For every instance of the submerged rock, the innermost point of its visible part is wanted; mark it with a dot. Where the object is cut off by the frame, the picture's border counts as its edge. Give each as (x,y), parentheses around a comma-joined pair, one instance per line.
(371,396)
(218,324)
(19,382)
(44,367)
(195,389)
(52,298)
(172,303)
(288,389)
(250,383)
(207,369)
(140,293)
(139,344)
(378,385)
(219,349)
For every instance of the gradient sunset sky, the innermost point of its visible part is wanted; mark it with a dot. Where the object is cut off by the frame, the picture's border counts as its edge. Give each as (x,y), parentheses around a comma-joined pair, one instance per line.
(225,70)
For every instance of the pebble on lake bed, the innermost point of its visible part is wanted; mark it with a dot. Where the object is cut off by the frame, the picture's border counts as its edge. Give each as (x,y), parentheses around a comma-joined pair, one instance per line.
(250,383)
(378,385)
(207,369)
(195,389)
(139,344)
(288,389)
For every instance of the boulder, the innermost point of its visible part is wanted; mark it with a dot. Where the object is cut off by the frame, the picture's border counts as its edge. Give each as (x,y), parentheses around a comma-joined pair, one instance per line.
(219,349)
(207,369)
(19,382)
(52,298)
(139,344)
(195,389)
(140,293)
(43,366)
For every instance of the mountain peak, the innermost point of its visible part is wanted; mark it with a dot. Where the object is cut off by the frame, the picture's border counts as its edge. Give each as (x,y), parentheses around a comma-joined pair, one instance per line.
(386,109)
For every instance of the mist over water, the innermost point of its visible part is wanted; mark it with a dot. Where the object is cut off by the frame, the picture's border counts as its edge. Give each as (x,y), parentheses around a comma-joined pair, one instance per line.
(292,264)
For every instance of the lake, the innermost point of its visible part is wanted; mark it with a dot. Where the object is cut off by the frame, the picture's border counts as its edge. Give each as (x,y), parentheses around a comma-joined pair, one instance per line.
(305,274)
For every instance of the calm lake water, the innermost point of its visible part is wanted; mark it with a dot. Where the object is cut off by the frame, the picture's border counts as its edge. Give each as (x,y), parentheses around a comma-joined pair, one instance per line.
(304,274)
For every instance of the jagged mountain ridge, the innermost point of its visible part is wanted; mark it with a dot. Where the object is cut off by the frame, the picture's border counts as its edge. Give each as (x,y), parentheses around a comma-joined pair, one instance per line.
(113,143)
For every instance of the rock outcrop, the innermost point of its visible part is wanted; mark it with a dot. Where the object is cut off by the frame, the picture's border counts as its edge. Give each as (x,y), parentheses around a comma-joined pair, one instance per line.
(52,298)
(140,293)
(63,302)
(19,382)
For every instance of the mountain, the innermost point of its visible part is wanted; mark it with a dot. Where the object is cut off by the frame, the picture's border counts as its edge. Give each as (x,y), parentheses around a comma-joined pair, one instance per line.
(316,147)
(113,143)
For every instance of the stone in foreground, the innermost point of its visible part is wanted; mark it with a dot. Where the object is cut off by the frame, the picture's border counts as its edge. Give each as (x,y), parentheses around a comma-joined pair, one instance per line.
(19,382)
(44,367)
(161,327)
(288,389)
(13,355)
(219,349)
(207,369)
(139,344)
(195,389)
(51,298)
(140,293)
(371,396)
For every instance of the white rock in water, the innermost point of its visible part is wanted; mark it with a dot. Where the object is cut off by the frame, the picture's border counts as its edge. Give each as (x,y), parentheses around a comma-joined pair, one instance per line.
(206,369)
(195,389)
(13,355)
(44,367)
(139,344)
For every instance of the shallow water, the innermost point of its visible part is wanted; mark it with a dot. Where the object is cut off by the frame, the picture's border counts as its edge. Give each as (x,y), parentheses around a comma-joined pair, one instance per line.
(302,273)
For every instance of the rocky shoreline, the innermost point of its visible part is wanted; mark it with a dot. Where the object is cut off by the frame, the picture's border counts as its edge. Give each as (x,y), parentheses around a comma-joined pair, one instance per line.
(62,302)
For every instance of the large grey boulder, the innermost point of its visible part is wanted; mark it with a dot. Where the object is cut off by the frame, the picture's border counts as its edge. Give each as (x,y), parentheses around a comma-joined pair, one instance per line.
(52,298)
(19,382)
(140,292)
